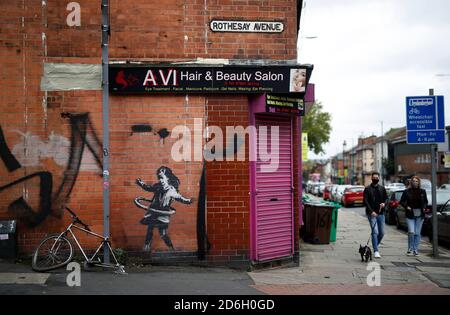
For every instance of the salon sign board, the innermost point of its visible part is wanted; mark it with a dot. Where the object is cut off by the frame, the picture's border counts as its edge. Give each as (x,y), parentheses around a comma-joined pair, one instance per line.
(204,79)
(285,104)
(425,119)
(234,26)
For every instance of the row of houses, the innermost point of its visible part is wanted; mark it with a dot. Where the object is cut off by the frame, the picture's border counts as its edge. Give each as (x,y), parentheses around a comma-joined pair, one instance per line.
(391,156)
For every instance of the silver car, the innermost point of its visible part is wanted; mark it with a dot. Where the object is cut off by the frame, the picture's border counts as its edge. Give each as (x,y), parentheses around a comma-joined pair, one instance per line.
(333,192)
(340,192)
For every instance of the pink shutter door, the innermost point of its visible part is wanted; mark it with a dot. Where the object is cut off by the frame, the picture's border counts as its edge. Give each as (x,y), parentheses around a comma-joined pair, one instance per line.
(274,195)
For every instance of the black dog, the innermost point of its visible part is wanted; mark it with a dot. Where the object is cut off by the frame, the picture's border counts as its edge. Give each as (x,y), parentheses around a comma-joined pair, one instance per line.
(365,252)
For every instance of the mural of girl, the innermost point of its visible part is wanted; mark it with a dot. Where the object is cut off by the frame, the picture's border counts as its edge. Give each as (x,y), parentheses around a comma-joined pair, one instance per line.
(158,209)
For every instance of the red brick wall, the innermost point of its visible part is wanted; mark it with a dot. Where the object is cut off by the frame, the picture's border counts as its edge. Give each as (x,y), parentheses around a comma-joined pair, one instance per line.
(180,29)
(140,155)
(410,166)
(148,30)
(227,186)
(20,104)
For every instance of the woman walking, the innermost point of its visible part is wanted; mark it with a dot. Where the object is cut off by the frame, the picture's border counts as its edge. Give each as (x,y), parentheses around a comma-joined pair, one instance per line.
(414,200)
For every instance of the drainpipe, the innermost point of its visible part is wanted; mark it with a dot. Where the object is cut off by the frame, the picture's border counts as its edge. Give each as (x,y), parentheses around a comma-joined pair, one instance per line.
(105,28)
(299,14)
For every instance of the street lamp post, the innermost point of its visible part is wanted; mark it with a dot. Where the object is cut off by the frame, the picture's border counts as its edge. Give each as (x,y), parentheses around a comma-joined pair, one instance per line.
(353,161)
(343,159)
(433,194)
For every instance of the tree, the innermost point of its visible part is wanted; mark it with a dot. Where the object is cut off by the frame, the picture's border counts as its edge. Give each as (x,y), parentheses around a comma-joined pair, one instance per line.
(317,124)
(389,166)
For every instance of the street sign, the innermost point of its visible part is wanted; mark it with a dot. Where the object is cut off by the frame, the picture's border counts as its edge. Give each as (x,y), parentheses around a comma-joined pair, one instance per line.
(425,123)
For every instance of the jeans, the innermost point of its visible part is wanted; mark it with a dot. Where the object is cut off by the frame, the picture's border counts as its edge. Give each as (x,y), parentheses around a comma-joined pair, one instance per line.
(414,229)
(377,230)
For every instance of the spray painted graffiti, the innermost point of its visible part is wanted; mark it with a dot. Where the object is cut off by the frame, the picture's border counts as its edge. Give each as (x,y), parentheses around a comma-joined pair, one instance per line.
(162,133)
(159,209)
(82,135)
(32,149)
(7,157)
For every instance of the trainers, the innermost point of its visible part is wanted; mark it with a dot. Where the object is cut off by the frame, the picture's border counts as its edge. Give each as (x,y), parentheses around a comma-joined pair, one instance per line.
(409,253)
(377,255)
(416,253)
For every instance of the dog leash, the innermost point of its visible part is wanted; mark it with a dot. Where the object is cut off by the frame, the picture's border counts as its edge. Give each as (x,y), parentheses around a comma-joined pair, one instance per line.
(368,241)
(376,222)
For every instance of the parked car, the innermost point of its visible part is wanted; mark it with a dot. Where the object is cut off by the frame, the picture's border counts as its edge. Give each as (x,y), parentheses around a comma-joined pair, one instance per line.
(321,189)
(308,186)
(353,196)
(425,184)
(394,187)
(327,192)
(442,197)
(340,192)
(390,212)
(334,193)
(331,189)
(445,187)
(315,189)
(444,223)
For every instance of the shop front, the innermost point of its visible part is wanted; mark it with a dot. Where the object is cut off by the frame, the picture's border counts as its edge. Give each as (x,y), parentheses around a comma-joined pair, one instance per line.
(248,140)
(204,127)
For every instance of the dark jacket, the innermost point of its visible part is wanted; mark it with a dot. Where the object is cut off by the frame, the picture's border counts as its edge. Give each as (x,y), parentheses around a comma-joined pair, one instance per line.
(369,199)
(405,201)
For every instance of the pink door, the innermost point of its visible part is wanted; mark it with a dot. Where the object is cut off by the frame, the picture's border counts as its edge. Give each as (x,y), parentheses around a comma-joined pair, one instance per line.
(274,215)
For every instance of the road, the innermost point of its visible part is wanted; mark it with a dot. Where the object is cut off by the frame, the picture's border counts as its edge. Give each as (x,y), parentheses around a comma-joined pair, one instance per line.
(19,279)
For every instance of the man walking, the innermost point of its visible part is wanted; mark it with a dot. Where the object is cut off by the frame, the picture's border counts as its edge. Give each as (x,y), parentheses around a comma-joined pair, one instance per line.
(375,197)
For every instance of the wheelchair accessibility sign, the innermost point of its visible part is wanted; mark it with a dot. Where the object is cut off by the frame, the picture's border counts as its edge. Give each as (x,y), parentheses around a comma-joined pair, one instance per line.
(425,119)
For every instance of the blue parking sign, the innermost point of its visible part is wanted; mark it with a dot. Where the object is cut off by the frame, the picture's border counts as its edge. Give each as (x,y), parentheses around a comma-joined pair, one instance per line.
(425,120)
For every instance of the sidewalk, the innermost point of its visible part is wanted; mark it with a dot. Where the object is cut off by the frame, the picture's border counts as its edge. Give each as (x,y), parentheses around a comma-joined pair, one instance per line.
(337,268)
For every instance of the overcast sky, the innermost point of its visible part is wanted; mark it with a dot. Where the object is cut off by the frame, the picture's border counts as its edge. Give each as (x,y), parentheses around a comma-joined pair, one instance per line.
(369,55)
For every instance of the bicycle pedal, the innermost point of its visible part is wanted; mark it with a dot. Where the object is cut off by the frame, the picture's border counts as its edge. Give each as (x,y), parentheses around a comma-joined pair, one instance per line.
(121,270)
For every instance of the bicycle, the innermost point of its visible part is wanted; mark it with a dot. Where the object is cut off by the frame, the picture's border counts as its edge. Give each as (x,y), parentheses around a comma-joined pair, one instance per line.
(56,250)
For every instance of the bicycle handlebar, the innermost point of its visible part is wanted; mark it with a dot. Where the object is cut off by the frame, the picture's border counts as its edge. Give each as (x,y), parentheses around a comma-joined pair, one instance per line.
(77,220)
(71,212)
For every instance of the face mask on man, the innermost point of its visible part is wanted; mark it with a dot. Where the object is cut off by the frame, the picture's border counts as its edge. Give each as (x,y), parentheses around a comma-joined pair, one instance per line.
(375,181)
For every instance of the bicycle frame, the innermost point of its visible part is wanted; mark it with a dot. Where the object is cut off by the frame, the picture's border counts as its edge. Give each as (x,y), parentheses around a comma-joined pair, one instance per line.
(91,259)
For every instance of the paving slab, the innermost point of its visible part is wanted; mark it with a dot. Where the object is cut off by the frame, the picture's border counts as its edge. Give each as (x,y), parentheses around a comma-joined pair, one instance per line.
(23,278)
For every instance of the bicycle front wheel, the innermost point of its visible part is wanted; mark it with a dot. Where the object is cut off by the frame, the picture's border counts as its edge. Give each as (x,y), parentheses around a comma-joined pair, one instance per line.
(53,252)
